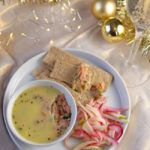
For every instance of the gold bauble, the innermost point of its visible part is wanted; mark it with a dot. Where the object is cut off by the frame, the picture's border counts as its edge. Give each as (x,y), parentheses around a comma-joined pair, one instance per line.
(113,30)
(103,9)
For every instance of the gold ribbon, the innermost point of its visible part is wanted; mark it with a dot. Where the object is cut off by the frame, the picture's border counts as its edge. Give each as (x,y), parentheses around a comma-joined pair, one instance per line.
(121,8)
(51,2)
(145,44)
(124,16)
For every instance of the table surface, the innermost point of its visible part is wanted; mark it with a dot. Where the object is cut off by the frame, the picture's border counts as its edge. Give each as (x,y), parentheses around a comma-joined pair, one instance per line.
(37,27)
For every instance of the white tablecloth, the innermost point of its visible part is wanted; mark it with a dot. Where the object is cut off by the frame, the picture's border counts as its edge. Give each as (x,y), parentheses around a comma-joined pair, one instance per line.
(27,37)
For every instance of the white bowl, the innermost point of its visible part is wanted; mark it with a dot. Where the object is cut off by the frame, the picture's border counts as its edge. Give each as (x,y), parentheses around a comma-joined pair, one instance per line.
(49,83)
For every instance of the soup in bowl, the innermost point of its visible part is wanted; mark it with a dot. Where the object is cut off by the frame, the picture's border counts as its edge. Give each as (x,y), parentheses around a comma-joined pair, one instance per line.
(43,112)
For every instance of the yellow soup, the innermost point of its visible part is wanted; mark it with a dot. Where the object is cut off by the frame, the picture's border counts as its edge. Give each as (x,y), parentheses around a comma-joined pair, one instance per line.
(32,116)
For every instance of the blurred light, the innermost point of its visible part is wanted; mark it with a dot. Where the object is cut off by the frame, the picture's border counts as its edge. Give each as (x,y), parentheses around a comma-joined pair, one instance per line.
(79,27)
(11,36)
(35,16)
(65,6)
(71,9)
(48,29)
(62,8)
(46,20)
(51,42)
(73,19)
(79,15)
(69,4)
(23,34)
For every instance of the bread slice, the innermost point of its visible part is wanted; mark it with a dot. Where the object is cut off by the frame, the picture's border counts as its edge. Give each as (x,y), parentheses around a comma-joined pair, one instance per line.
(63,71)
(58,54)
(100,76)
(42,71)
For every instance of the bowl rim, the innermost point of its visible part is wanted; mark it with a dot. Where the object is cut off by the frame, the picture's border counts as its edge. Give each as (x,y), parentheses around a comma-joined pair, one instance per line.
(49,83)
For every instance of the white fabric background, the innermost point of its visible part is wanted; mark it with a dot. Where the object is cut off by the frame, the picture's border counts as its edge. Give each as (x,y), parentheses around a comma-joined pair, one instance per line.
(20,48)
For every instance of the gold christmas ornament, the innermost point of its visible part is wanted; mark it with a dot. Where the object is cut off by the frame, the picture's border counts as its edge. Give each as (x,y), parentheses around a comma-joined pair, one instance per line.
(113,30)
(103,9)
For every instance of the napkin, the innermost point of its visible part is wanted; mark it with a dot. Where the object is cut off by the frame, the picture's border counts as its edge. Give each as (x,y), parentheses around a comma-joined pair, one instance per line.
(137,136)
(6,64)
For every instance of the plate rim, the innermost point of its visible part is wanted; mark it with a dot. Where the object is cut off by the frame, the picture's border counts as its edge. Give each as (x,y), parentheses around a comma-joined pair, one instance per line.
(69,50)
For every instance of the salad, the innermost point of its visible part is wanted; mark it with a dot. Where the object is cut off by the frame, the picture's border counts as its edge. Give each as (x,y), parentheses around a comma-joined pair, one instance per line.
(97,126)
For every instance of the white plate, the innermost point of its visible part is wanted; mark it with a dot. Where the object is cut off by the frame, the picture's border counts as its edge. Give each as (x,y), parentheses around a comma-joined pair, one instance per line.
(117,94)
